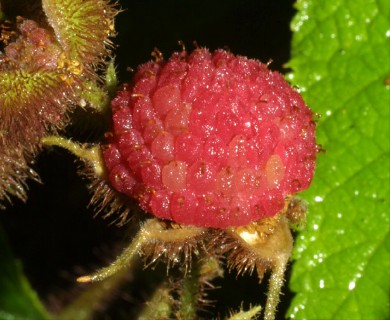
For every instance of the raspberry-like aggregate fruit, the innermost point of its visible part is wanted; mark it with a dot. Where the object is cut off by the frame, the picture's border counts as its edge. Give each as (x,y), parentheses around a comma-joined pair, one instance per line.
(210,139)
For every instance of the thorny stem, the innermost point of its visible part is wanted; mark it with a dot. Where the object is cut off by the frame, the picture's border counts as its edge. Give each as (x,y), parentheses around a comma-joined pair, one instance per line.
(125,258)
(151,231)
(252,313)
(91,155)
(160,306)
(277,250)
(269,244)
(189,294)
(275,286)
(193,286)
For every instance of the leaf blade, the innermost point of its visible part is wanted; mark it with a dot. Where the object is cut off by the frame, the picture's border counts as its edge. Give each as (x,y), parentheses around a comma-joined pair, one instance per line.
(17,299)
(341,63)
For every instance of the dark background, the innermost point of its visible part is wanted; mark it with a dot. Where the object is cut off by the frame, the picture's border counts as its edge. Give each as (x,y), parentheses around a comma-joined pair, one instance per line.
(54,234)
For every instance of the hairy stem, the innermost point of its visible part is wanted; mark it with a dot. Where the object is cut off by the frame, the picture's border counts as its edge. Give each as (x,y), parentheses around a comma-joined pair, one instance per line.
(160,306)
(275,287)
(126,257)
(252,313)
(189,294)
(151,231)
(91,155)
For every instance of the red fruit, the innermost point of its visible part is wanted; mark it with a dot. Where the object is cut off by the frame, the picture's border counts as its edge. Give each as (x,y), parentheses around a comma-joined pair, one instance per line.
(210,139)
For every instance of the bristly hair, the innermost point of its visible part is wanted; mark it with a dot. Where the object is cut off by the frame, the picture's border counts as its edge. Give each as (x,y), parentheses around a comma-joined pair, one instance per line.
(240,258)
(175,245)
(15,169)
(295,212)
(35,94)
(106,201)
(198,281)
(31,104)
(35,98)
(83,28)
(243,256)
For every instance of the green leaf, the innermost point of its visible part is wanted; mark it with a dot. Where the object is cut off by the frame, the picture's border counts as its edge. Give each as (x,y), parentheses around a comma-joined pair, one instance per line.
(340,61)
(18,301)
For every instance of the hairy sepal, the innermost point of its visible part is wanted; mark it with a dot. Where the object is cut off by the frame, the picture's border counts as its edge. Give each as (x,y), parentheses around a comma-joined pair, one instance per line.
(31,103)
(175,244)
(83,28)
(14,171)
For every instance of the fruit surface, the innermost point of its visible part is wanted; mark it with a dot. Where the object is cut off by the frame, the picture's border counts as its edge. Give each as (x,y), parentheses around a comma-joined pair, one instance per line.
(210,139)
